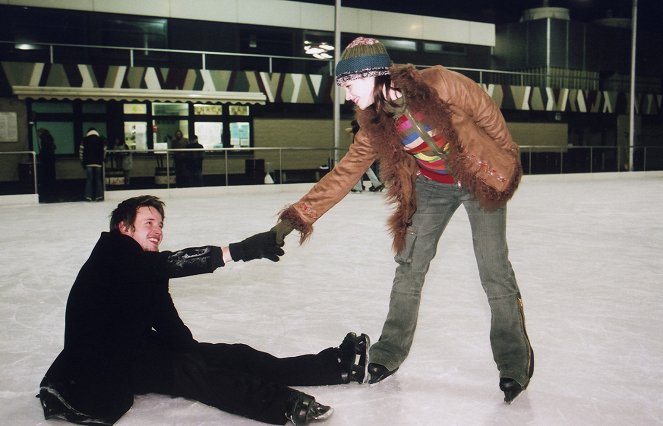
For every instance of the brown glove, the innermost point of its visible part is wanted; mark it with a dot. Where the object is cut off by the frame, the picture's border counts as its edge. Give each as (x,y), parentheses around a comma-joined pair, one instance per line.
(282,229)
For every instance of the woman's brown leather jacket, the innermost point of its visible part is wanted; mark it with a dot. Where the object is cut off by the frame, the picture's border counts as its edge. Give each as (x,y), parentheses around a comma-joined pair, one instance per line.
(482,154)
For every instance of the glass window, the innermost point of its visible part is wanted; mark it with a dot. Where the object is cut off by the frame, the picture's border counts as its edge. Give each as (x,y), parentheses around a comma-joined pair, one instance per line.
(210,134)
(164,129)
(240,134)
(53,107)
(93,108)
(135,108)
(239,110)
(406,45)
(130,31)
(202,109)
(170,109)
(135,135)
(63,135)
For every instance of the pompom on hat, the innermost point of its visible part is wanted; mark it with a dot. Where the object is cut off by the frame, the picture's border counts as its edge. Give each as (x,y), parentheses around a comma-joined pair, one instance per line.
(363,57)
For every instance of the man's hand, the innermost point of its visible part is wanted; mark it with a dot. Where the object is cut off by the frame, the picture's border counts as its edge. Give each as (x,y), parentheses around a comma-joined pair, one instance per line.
(258,246)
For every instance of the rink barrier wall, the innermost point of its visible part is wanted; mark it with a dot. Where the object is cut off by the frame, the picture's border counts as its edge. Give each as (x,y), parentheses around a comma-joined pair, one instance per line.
(302,188)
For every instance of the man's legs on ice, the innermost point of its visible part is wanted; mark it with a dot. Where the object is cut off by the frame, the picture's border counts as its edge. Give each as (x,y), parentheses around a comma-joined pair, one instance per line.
(241,380)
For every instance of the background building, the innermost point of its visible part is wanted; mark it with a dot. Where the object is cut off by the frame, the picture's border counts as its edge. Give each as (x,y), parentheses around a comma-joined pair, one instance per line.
(242,74)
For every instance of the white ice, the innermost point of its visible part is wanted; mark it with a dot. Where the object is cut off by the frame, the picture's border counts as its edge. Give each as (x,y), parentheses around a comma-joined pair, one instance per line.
(587,251)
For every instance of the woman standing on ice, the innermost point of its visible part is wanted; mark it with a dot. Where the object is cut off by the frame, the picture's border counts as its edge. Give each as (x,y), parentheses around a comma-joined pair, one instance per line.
(441,142)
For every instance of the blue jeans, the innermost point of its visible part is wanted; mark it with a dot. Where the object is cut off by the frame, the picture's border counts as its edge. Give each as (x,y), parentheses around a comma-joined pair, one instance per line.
(94,183)
(436,204)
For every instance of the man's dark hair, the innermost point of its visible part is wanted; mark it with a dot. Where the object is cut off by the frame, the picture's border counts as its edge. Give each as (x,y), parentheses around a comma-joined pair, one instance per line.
(127,209)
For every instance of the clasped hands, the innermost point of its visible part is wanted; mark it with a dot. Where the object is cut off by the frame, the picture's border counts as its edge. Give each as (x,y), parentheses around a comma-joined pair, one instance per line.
(266,245)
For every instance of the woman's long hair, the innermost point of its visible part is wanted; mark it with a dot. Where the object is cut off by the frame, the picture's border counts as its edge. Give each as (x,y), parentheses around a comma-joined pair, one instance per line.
(382,94)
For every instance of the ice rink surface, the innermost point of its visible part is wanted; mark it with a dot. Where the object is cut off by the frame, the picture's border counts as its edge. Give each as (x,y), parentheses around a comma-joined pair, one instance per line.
(587,251)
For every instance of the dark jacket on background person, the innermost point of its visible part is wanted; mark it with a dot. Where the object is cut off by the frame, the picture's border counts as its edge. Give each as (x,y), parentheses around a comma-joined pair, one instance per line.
(194,163)
(91,151)
(111,311)
(47,149)
(195,158)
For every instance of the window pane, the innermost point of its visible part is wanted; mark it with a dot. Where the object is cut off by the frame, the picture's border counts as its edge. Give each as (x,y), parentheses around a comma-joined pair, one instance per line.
(135,108)
(94,108)
(59,107)
(170,109)
(240,134)
(164,130)
(209,134)
(239,110)
(135,135)
(63,135)
(99,126)
(202,109)
(406,45)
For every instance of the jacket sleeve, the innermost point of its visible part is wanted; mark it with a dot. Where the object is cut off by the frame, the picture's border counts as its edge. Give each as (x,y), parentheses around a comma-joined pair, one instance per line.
(140,265)
(470,102)
(194,261)
(332,187)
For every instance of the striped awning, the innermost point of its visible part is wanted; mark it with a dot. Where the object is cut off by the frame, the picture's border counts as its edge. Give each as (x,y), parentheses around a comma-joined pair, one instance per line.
(161,95)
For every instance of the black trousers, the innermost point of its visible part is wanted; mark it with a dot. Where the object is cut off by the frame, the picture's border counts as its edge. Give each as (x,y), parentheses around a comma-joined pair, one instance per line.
(233,377)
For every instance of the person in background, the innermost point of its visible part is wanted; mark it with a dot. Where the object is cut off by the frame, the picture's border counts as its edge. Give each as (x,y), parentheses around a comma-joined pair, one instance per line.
(180,158)
(92,154)
(47,149)
(123,335)
(442,143)
(376,185)
(124,159)
(194,162)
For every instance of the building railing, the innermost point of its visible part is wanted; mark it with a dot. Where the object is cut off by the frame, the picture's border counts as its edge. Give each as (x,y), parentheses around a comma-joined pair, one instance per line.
(589,159)
(140,56)
(258,166)
(210,60)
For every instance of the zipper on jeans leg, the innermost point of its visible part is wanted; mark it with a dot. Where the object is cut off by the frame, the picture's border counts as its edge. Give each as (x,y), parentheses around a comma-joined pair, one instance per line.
(530,365)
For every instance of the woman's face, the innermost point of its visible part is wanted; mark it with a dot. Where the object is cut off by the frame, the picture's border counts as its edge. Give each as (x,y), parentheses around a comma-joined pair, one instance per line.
(360,91)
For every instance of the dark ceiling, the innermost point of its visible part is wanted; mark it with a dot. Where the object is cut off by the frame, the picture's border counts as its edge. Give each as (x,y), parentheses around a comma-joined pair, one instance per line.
(650,12)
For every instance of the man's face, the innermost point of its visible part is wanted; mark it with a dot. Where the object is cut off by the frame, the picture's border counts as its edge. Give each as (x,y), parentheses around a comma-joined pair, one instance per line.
(360,91)
(147,229)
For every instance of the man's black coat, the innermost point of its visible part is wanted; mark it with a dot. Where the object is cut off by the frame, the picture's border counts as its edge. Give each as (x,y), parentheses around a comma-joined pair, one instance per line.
(119,300)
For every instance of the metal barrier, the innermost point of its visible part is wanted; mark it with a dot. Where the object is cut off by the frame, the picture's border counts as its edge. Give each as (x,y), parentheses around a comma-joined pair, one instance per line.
(257,166)
(273,159)
(588,159)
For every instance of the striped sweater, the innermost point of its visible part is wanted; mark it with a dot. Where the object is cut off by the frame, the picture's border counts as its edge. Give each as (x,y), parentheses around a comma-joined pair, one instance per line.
(430,164)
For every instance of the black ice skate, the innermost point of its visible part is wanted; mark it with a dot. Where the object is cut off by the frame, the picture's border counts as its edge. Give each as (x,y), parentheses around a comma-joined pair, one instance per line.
(304,410)
(510,387)
(379,372)
(354,354)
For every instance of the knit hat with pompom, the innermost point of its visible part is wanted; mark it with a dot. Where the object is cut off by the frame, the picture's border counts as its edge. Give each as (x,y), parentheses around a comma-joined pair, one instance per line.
(364,57)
